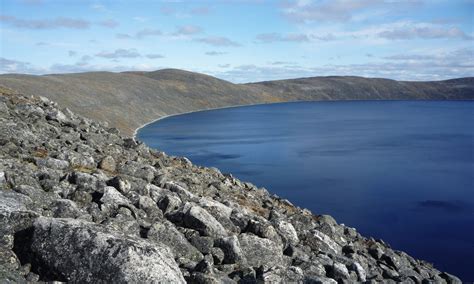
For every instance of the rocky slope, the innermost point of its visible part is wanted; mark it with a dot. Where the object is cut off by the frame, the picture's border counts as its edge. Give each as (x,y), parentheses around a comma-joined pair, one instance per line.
(146,96)
(81,203)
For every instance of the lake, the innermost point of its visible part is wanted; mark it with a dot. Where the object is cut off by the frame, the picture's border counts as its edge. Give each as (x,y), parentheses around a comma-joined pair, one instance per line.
(401,171)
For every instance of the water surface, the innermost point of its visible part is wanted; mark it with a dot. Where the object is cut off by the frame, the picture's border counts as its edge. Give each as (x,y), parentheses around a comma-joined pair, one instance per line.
(400,171)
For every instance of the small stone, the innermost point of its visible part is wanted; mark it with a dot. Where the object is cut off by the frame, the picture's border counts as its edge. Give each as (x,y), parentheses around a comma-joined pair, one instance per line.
(202,243)
(107,164)
(231,248)
(217,255)
(3,180)
(120,184)
(56,115)
(362,275)
(32,277)
(338,271)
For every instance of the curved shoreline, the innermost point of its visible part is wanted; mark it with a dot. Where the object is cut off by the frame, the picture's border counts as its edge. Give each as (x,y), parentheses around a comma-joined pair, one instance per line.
(135,132)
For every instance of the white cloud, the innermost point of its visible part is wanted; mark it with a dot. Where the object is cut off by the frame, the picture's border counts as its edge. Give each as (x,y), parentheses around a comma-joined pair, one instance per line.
(119,53)
(43,24)
(325,11)
(187,30)
(154,56)
(217,41)
(215,53)
(109,23)
(16,66)
(141,34)
(276,37)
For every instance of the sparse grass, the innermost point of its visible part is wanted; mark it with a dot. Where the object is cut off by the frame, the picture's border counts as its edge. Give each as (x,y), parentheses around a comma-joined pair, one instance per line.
(83,169)
(251,205)
(40,153)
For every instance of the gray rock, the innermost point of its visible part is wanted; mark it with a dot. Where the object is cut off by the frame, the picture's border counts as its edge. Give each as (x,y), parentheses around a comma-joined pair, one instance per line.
(202,243)
(217,255)
(180,190)
(169,203)
(197,218)
(107,164)
(287,231)
(362,275)
(65,208)
(113,198)
(264,229)
(82,161)
(319,280)
(450,279)
(231,248)
(81,251)
(259,251)
(165,233)
(52,163)
(3,180)
(120,184)
(14,212)
(150,207)
(338,271)
(57,115)
(321,242)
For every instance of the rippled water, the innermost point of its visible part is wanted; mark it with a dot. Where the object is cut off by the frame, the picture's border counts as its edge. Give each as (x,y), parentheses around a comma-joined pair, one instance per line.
(400,171)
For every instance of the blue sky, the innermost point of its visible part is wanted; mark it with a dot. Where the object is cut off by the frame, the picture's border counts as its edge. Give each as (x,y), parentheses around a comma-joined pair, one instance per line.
(241,41)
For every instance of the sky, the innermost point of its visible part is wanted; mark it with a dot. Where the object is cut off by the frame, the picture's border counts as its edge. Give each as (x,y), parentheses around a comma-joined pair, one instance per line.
(241,41)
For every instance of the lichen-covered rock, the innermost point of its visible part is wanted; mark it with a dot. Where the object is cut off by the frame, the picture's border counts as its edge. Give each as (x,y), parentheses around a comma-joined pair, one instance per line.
(197,218)
(108,164)
(259,251)
(80,251)
(232,251)
(165,233)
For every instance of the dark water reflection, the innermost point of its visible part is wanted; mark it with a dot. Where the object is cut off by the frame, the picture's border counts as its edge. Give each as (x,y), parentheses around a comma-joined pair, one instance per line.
(400,171)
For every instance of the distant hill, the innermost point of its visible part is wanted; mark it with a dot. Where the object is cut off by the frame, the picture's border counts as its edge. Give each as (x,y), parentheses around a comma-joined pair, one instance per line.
(130,99)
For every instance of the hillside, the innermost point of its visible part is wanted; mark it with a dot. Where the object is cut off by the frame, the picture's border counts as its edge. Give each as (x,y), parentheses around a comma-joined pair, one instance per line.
(80,203)
(130,99)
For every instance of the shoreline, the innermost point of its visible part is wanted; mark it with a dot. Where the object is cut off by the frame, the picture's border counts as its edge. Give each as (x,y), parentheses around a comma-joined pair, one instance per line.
(135,132)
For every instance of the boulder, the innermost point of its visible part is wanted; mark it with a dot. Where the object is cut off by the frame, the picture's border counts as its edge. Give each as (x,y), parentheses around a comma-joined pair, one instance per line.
(68,249)
(57,115)
(338,271)
(14,212)
(197,218)
(231,248)
(166,233)
(259,251)
(319,241)
(120,184)
(287,231)
(52,163)
(65,208)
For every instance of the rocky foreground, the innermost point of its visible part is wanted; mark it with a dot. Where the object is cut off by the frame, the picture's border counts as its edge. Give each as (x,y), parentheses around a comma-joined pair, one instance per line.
(80,203)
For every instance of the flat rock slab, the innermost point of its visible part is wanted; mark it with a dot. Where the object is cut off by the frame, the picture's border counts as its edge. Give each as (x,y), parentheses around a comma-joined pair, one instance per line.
(84,252)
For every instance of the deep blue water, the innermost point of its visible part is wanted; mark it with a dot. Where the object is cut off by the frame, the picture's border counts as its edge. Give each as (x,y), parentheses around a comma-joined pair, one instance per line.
(402,171)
